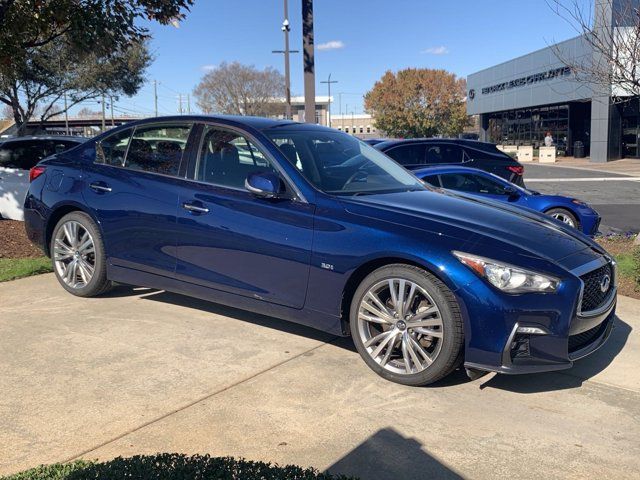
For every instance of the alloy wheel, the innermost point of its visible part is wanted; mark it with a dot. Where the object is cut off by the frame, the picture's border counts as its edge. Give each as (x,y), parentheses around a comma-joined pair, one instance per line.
(564,218)
(400,326)
(74,254)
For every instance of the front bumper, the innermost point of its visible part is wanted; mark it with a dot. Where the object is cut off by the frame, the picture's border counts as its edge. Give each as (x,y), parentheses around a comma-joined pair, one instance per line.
(497,342)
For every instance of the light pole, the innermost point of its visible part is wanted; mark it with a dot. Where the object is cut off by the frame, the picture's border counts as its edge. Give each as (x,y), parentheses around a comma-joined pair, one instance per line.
(309,62)
(286,28)
(329,82)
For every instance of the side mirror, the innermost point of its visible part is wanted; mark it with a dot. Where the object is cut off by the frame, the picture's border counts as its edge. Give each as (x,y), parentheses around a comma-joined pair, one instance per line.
(263,184)
(511,191)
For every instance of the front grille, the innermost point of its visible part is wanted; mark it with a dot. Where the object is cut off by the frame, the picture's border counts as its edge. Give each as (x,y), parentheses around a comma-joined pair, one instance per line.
(592,296)
(581,340)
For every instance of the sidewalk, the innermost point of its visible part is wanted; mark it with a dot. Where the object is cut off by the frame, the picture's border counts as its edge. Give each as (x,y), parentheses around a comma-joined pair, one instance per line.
(142,371)
(625,166)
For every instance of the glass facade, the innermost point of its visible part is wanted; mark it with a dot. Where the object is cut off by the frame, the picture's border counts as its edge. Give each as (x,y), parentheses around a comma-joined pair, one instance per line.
(630,112)
(529,126)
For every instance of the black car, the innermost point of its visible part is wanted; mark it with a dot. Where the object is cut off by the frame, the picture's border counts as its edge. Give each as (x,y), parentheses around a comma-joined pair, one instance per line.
(421,152)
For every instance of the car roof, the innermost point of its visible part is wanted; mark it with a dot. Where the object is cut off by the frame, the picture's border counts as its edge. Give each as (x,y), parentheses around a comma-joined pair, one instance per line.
(459,141)
(44,137)
(442,169)
(259,123)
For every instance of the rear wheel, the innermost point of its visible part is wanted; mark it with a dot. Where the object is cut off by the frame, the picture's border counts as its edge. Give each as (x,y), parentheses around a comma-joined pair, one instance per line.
(78,257)
(565,216)
(406,325)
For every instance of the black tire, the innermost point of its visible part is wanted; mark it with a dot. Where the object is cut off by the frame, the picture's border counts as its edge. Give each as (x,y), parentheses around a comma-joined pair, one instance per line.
(98,283)
(567,214)
(451,351)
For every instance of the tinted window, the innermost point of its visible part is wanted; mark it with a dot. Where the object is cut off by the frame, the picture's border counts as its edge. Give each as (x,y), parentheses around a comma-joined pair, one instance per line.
(53,147)
(480,150)
(226,158)
(466,182)
(157,149)
(432,180)
(112,149)
(23,154)
(443,153)
(409,154)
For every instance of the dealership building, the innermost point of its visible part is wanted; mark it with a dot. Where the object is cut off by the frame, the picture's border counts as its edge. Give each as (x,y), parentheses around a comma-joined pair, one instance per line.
(520,100)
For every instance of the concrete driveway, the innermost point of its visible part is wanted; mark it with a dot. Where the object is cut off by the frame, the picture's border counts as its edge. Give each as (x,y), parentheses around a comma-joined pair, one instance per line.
(142,371)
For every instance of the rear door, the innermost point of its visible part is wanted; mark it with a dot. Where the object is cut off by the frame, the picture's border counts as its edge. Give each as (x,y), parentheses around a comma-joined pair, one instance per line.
(409,155)
(16,158)
(132,188)
(231,240)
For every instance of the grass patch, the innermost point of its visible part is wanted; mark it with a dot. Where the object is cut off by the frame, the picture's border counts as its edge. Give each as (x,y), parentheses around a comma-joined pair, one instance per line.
(627,256)
(12,268)
(172,466)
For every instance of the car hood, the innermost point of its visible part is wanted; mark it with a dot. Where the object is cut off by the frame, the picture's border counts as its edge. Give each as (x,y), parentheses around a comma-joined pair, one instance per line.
(475,220)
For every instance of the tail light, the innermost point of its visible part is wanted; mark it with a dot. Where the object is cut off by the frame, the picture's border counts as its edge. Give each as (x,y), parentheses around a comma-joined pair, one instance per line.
(35,172)
(517,170)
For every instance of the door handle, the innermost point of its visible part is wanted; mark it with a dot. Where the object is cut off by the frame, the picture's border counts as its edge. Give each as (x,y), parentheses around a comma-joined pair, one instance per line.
(195,208)
(99,187)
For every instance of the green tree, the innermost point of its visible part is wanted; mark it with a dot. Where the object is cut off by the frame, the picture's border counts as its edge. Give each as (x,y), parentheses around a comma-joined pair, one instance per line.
(418,102)
(35,88)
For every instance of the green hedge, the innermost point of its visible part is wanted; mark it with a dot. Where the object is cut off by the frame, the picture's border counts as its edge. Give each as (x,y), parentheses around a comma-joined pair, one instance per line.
(172,466)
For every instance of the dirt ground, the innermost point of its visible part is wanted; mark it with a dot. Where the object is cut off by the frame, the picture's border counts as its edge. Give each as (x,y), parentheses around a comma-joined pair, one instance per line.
(14,242)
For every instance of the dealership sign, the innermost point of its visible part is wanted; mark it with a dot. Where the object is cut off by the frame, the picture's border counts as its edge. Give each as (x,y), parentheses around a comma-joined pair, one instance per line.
(528,80)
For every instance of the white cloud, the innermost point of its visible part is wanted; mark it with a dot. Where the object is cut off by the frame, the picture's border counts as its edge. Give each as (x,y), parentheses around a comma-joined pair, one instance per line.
(332,45)
(207,68)
(441,50)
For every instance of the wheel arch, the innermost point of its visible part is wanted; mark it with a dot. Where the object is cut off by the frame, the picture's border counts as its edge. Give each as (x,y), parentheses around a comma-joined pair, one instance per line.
(57,213)
(373,264)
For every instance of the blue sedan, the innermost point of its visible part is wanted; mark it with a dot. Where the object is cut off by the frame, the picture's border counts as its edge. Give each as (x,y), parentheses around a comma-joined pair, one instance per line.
(312,225)
(572,212)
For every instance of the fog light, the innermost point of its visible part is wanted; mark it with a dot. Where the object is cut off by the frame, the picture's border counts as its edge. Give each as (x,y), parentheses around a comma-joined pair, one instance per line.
(532,331)
(520,347)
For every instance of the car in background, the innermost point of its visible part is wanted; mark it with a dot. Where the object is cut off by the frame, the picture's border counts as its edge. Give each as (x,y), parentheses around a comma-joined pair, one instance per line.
(421,152)
(570,211)
(312,225)
(373,141)
(17,156)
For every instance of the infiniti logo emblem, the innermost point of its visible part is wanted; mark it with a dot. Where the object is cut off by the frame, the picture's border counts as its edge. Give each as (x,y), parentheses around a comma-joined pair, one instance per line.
(604,283)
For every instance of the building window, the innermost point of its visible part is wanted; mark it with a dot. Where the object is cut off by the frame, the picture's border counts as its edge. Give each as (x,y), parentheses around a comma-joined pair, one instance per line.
(346,129)
(339,129)
(368,128)
(361,129)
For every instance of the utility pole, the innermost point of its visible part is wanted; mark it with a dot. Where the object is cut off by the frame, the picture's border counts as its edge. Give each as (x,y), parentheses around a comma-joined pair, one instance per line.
(309,62)
(180,103)
(189,104)
(155,97)
(111,105)
(66,115)
(103,113)
(329,82)
(286,28)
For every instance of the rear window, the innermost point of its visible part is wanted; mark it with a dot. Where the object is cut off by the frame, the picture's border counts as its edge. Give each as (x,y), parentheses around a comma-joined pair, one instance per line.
(482,147)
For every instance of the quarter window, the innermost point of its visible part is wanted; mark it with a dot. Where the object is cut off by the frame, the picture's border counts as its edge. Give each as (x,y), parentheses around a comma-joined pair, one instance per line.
(409,154)
(23,154)
(112,149)
(444,153)
(226,158)
(157,149)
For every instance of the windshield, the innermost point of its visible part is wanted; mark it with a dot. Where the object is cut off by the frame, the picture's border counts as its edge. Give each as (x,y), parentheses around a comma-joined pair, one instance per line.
(340,164)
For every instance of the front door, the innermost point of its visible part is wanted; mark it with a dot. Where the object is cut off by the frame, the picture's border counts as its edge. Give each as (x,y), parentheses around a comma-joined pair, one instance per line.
(133,188)
(231,240)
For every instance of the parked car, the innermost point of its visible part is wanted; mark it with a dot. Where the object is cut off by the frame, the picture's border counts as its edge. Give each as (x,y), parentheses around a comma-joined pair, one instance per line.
(17,156)
(420,152)
(419,278)
(374,141)
(571,211)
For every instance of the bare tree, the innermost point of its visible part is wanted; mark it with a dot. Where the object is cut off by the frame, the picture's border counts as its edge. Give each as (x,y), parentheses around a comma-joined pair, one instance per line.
(238,89)
(611,31)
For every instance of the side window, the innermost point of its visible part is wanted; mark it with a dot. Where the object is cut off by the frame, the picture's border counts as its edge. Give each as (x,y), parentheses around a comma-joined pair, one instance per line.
(21,154)
(157,149)
(54,147)
(465,182)
(112,149)
(432,180)
(490,186)
(226,158)
(409,154)
(451,153)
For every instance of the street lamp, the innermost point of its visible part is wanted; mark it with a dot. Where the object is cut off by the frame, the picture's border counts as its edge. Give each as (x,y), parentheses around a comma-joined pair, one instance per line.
(329,82)
(286,27)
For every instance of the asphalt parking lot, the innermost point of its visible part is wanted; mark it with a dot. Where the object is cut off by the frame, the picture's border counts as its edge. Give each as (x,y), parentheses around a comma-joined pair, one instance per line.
(613,195)
(142,371)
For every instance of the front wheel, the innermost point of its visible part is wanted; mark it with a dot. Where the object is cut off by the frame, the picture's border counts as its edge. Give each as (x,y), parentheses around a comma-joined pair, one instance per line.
(565,216)
(78,256)
(406,325)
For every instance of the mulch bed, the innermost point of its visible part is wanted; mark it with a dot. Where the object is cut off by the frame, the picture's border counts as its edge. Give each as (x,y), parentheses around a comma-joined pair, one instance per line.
(14,242)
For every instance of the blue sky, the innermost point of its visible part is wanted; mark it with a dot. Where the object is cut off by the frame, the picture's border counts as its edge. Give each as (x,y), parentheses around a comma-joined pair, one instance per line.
(362,39)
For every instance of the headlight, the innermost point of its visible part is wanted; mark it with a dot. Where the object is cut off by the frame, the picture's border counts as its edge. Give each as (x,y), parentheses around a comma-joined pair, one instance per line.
(506,277)
(575,201)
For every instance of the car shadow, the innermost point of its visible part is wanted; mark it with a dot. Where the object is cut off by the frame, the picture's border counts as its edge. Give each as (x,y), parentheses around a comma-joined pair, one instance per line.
(583,369)
(531,383)
(387,454)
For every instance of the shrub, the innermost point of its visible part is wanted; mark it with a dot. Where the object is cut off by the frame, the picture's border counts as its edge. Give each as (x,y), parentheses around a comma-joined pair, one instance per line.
(636,272)
(172,466)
